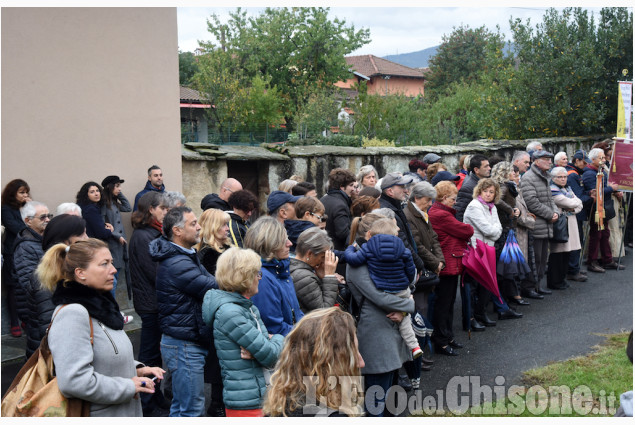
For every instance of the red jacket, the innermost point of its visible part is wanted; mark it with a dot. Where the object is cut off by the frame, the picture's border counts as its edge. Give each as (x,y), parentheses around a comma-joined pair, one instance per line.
(453,237)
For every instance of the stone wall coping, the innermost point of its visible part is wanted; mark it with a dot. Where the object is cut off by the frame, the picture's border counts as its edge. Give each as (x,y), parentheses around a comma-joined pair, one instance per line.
(246,153)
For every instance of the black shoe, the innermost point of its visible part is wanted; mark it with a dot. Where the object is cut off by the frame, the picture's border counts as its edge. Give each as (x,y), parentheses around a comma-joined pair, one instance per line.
(216,410)
(519,301)
(613,266)
(447,350)
(476,326)
(509,314)
(543,291)
(485,320)
(455,344)
(427,361)
(557,287)
(404,382)
(530,293)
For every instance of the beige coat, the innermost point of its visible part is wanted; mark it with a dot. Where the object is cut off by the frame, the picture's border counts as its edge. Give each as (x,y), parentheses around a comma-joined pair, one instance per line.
(562,202)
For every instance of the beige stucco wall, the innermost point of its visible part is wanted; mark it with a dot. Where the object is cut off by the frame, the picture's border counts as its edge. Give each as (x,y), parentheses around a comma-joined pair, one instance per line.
(86,93)
(394,85)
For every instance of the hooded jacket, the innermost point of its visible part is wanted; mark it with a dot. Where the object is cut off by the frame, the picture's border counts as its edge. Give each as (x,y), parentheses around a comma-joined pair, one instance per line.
(145,190)
(237,229)
(236,323)
(337,206)
(294,228)
(389,262)
(181,285)
(214,201)
(143,270)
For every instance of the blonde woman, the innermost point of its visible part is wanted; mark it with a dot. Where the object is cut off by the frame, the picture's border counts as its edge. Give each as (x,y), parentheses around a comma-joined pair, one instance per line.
(322,347)
(214,237)
(243,343)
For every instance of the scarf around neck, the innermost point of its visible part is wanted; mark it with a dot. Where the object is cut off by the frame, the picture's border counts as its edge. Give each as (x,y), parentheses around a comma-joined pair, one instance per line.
(159,226)
(100,305)
(490,205)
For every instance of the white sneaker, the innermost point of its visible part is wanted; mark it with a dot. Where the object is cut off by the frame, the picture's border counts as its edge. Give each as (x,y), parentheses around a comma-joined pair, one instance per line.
(126,319)
(416,382)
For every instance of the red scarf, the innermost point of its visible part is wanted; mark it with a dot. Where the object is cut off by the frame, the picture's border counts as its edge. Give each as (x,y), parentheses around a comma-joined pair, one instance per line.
(154,223)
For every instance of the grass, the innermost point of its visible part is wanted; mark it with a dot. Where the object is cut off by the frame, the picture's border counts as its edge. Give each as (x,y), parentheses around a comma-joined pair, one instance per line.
(588,385)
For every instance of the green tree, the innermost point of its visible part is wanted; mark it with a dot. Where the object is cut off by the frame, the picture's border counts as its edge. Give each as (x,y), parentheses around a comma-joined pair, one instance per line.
(188,66)
(300,50)
(462,56)
(318,113)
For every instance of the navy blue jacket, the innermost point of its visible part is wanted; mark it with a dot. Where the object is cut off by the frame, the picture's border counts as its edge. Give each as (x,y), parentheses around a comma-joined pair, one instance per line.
(143,270)
(276,299)
(145,190)
(294,228)
(389,262)
(95,224)
(181,285)
(574,181)
(589,179)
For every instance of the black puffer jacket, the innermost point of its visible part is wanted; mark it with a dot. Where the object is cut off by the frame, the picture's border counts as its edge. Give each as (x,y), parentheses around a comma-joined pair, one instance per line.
(181,285)
(143,270)
(214,201)
(405,234)
(465,195)
(34,302)
(237,229)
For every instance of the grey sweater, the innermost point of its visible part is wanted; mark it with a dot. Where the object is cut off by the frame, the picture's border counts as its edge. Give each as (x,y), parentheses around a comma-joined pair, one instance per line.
(102,373)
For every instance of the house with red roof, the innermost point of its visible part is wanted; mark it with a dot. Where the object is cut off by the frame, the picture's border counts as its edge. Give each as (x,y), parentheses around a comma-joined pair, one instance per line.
(383,77)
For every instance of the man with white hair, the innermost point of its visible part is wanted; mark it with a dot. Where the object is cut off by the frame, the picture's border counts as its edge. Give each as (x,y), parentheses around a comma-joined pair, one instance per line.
(560,159)
(599,237)
(522,161)
(28,251)
(69,208)
(534,146)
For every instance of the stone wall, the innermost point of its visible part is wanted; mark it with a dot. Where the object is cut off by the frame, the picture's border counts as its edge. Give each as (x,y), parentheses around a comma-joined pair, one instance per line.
(203,174)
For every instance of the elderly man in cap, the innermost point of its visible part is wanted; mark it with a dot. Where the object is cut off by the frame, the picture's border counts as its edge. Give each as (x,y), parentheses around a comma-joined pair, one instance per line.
(537,194)
(393,193)
(431,158)
(280,205)
(575,168)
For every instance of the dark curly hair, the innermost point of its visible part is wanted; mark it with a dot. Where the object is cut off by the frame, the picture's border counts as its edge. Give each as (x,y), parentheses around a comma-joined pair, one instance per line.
(243,200)
(11,190)
(82,195)
(340,177)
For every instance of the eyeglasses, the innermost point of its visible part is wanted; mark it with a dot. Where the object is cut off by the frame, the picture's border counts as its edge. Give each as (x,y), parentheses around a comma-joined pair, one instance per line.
(321,218)
(228,189)
(42,217)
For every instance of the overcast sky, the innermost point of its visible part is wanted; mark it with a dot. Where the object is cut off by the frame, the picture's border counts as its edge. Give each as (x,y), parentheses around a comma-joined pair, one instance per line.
(393,30)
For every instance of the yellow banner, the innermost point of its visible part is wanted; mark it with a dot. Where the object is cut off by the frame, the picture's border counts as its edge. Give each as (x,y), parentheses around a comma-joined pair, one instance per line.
(624,109)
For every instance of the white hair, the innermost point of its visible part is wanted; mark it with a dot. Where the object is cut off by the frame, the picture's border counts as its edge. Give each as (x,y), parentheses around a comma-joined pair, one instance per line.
(28,210)
(172,199)
(558,170)
(386,212)
(533,145)
(68,208)
(594,153)
(559,156)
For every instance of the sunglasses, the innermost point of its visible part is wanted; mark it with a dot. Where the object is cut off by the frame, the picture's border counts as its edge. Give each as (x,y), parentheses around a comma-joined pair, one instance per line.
(43,216)
(321,218)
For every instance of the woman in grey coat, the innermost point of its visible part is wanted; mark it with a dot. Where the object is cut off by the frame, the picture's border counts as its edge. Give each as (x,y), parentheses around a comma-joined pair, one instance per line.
(114,203)
(103,371)
(380,343)
(313,270)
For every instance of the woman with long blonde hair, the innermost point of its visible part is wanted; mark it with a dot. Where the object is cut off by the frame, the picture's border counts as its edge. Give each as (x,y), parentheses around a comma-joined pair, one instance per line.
(214,237)
(320,359)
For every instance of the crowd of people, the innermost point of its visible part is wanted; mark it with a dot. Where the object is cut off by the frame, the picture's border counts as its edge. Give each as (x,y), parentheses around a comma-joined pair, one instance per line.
(267,311)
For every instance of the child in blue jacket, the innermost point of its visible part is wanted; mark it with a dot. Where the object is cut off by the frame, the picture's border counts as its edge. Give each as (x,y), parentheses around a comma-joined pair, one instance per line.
(391,268)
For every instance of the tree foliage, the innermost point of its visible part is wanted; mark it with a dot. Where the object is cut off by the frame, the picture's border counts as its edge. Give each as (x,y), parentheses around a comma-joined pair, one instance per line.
(297,50)
(188,66)
(462,56)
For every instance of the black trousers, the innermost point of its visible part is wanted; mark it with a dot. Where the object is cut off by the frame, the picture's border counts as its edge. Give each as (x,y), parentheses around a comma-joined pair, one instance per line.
(557,270)
(443,316)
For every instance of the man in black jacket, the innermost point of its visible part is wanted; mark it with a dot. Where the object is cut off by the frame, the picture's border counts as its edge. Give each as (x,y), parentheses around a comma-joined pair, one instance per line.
(479,169)
(221,201)
(393,193)
(337,205)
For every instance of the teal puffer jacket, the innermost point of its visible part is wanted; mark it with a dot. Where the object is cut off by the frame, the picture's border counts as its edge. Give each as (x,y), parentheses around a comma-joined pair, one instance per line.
(237,323)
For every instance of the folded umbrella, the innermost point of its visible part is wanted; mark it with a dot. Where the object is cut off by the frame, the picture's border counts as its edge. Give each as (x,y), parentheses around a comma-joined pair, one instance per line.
(480,263)
(511,263)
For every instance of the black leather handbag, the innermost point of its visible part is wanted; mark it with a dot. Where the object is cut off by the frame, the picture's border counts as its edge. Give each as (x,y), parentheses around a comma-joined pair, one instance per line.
(428,279)
(560,229)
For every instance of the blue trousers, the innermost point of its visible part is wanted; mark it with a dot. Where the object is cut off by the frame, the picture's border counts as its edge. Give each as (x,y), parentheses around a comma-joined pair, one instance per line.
(375,399)
(185,361)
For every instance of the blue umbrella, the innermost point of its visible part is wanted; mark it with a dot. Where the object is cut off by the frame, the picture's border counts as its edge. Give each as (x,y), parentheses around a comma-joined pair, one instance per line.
(511,262)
